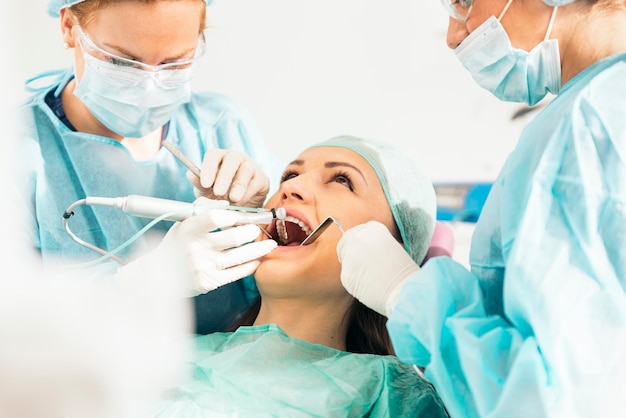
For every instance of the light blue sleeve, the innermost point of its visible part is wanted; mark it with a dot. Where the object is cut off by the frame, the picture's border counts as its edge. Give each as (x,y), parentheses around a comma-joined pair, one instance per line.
(439,322)
(559,348)
(565,358)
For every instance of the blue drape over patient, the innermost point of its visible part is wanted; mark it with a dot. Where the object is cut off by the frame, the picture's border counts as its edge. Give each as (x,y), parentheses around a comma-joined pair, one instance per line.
(261,372)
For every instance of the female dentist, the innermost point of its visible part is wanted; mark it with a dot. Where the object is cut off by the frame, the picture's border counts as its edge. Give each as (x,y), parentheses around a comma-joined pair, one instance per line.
(537,328)
(97,129)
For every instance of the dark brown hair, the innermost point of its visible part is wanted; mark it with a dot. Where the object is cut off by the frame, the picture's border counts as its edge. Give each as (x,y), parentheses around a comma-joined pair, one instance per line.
(367,331)
(366,334)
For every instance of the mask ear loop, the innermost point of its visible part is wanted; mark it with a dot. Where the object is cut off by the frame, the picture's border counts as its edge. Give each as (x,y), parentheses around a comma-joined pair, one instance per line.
(552,17)
(549,30)
(506,7)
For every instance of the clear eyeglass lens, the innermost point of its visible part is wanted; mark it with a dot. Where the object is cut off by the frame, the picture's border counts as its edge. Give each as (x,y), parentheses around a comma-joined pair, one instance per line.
(458,9)
(94,50)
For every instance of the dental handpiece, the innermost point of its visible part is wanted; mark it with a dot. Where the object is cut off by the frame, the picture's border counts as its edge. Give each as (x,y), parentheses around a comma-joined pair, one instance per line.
(154,207)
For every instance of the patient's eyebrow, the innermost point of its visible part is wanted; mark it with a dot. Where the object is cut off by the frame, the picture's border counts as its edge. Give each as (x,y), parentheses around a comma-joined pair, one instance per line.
(333,164)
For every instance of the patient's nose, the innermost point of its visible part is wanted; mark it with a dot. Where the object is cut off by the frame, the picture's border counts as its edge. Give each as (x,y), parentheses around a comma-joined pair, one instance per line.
(295,188)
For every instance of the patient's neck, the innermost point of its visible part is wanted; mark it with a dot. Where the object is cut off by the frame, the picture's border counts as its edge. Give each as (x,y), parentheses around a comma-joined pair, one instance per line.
(318,323)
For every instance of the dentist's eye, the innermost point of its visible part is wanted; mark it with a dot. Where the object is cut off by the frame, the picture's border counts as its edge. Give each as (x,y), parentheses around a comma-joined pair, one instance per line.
(120,62)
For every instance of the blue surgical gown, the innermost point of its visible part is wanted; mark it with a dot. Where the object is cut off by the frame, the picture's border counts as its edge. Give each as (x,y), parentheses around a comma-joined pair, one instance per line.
(259,372)
(59,166)
(537,328)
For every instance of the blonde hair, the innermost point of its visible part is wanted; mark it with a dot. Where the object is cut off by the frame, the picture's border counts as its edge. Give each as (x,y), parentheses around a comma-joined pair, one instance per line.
(86,10)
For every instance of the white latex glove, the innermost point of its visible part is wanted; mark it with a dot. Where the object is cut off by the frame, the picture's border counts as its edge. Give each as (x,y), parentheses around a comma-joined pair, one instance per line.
(198,257)
(231,175)
(374,266)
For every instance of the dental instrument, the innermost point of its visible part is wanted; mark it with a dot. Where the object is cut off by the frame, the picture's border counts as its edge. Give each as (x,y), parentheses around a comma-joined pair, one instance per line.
(181,157)
(173,210)
(321,228)
(164,209)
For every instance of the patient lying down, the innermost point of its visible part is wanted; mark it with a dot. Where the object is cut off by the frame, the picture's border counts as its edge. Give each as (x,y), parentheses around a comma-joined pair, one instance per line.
(308,348)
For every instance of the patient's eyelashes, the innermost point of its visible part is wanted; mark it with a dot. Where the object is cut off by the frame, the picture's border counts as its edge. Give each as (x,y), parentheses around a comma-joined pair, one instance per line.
(287,175)
(343,178)
(335,172)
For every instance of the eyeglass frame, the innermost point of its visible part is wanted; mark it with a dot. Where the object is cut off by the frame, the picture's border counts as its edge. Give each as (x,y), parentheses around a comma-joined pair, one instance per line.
(127,62)
(453,10)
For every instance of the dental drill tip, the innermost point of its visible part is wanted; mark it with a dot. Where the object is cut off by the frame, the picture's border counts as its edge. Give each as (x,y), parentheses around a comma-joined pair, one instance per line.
(280,213)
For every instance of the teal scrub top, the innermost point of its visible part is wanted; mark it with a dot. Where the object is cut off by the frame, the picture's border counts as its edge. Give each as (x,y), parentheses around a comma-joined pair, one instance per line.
(537,328)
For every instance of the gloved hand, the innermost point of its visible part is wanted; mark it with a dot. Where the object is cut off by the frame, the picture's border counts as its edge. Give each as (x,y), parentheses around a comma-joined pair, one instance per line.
(231,175)
(199,258)
(374,266)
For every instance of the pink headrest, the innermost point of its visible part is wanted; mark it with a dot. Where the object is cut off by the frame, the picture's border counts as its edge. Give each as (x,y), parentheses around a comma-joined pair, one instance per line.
(442,242)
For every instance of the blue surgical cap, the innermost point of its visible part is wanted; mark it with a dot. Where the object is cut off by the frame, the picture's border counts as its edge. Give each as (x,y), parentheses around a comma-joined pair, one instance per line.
(55,6)
(409,192)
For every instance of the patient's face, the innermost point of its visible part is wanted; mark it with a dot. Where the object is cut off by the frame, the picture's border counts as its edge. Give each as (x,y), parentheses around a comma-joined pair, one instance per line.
(321,182)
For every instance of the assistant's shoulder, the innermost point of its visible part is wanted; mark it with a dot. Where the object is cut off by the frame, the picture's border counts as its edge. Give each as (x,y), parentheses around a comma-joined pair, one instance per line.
(26,107)
(602,86)
(598,107)
(217,105)
(33,113)
(227,123)
(34,117)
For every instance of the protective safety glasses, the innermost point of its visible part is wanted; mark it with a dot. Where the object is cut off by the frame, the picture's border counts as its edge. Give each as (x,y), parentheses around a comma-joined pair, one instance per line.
(88,46)
(458,9)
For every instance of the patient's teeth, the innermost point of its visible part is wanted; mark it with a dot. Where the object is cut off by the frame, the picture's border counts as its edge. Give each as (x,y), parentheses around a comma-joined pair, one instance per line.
(282,231)
(298,222)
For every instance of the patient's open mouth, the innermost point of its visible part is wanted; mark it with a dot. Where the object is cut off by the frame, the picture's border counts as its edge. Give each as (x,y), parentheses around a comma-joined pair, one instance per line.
(291,231)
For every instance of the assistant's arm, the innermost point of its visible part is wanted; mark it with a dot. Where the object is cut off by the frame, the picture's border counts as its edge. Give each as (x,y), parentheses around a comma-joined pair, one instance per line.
(558,349)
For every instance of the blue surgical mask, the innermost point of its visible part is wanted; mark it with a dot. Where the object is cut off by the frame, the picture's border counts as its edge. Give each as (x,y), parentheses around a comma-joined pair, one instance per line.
(130,101)
(511,74)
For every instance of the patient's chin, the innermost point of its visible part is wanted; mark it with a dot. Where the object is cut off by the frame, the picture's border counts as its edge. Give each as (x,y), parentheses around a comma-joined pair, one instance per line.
(271,270)
(267,270)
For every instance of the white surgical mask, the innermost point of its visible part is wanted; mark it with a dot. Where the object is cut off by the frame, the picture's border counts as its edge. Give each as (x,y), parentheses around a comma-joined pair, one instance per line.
(511,74)
(129,101)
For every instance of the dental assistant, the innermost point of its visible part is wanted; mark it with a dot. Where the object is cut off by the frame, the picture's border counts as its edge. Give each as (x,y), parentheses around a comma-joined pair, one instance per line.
(96,130)
(537,327)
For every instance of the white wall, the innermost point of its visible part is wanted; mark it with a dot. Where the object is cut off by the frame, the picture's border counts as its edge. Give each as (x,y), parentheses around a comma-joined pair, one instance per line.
(311,70)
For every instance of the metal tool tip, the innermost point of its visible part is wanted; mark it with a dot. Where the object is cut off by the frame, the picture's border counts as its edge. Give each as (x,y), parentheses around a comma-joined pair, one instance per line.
(280,213)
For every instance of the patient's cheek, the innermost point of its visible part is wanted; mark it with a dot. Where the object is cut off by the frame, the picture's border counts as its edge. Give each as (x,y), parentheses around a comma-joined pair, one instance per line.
(261,271)
(270,269)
